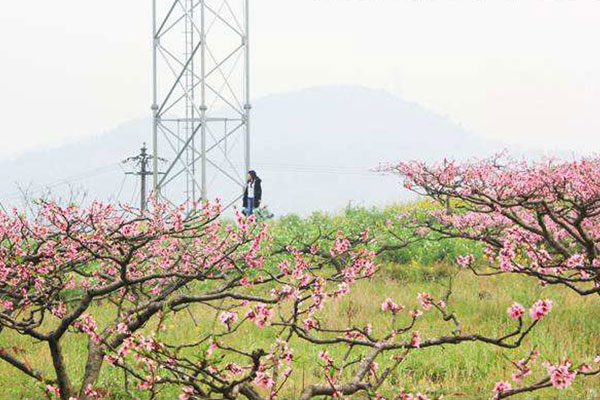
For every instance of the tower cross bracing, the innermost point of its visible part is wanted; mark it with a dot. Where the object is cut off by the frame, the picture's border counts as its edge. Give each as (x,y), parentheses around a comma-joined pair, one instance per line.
(201,99)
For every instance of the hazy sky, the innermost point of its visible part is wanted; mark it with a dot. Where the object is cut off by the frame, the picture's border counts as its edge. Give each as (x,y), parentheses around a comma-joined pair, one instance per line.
(523,71)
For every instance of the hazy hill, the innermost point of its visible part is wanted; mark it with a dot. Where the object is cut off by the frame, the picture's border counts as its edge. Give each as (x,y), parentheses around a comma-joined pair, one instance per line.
(313,148)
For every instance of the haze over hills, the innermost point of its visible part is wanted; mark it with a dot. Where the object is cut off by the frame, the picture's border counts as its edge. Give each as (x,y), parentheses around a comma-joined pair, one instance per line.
(314,150)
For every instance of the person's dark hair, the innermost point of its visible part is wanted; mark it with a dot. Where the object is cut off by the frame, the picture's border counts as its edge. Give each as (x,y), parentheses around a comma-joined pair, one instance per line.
(253,175)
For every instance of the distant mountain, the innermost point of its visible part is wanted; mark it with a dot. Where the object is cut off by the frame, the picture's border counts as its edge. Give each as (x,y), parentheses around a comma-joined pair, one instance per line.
(313,148)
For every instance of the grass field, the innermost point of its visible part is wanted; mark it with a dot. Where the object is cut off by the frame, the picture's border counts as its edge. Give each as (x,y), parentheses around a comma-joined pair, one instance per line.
(466,371)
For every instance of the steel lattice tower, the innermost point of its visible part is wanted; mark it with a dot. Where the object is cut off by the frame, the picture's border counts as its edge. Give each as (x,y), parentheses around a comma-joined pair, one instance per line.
(201,98)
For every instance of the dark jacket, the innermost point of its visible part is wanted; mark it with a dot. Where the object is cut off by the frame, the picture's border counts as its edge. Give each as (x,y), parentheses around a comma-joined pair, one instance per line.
(257,194)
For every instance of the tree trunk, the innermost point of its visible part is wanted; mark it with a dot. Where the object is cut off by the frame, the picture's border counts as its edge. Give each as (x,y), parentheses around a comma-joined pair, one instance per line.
(92,367)
(64,384)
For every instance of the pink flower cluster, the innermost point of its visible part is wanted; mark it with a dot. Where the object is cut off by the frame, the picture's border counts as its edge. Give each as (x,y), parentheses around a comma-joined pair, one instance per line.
(501,387)
(516,311)
(425,300)
(287,292)
(465,261)
(340,246)
(391,306)
(87,325)
(186,393)
(403,395)
(228,318)
(310,323)
(560,375)
(540,309)
(261,315)
(323,355)
(52,390)
(415,339)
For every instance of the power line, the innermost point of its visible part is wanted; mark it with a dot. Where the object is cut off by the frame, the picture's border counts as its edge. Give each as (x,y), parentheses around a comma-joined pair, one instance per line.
(316,168)
(66,181)
(118,195)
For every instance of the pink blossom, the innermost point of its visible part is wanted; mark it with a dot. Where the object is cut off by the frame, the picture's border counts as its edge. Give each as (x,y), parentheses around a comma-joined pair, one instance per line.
(518,376)
(340,245)
(586,368)
(261,315)
(60,310)
(234,368)
(8,305)
(123,328)
(516,311)
(465,261)
(364,236)
(415,339)
(560,375)
(575,261)
(228,318)
(285,293)
(52,390)
(147,383)
(186,393)
(391,306)
(523,368)
(86,324)
(90,392)
(211,348)
(111,359)
(323,355)
(343,289)
(425,300)
(310,323)
(245,281)
(403,395)
(264,380)
(501,387)
(540,309)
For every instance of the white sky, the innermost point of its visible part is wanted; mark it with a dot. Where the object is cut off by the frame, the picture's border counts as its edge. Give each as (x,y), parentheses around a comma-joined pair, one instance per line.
(523,71)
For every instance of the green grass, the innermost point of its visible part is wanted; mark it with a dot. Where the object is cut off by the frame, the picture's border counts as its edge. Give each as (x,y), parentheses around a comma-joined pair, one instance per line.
(464,371)
(354,220)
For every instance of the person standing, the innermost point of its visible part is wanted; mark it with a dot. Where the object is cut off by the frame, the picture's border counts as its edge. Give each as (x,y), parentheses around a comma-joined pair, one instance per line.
(252,193)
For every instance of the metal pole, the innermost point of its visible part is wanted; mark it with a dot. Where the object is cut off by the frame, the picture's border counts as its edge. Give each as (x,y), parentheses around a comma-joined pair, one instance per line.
(247,106)
(203,107)
(191,88)
(154,105)
(143,172)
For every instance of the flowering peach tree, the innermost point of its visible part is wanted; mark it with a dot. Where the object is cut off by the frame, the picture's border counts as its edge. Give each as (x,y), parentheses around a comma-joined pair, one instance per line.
(134,286)
(540,219)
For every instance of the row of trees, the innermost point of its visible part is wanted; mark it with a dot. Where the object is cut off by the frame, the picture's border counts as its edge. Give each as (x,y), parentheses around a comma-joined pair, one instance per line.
(61,269)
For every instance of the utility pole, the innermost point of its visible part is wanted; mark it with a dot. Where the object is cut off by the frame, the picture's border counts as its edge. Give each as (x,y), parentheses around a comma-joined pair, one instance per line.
(141,161)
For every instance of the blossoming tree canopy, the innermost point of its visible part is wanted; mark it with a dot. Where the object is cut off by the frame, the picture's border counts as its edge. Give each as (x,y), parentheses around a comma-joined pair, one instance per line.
(536,218)
(540,219)
(62,269)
